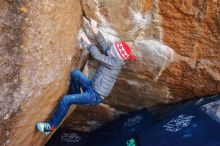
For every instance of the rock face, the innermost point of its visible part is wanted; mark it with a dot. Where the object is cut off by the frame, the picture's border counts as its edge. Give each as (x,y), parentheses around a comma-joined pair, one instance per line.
(192,29)
(37,46)
(176,44)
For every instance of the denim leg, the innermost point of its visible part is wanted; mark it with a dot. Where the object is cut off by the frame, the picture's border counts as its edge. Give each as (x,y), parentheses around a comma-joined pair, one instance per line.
(64,105)
(78,79)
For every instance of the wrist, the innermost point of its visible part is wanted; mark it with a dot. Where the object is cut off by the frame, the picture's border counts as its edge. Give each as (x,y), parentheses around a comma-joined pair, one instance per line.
(95,31)
(88,42)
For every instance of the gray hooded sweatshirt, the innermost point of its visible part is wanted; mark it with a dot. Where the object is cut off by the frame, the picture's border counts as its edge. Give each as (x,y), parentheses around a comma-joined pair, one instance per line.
(109,68)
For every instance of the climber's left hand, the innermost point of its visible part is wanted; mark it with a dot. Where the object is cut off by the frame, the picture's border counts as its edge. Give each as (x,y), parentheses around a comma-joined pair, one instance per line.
(85,39)
(93,25)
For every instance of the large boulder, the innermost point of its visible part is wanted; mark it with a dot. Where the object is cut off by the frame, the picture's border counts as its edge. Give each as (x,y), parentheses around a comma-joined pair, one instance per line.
(38,48)
(176,45)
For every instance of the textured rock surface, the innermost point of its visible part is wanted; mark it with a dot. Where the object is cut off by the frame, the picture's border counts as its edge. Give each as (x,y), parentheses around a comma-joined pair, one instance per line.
(192,29)
(176,44)
(89,118)
(37,42)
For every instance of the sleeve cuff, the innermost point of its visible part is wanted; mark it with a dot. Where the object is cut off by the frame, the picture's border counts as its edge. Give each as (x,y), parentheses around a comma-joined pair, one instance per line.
(98,34)
(90,46)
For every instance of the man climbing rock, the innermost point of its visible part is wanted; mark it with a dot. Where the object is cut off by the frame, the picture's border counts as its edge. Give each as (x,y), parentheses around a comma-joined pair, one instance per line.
(95,90)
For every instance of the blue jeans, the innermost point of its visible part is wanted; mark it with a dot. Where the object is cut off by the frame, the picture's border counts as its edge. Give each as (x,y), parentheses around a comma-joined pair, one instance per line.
(88,97)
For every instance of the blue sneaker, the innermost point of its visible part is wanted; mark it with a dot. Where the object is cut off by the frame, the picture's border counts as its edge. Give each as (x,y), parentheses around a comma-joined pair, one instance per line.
(44,127)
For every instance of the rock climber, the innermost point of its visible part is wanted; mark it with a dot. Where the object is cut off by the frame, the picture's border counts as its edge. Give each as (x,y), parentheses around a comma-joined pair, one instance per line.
(111,60)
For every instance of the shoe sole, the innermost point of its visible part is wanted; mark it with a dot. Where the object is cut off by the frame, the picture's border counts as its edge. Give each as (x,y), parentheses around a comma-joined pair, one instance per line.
(40,129)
